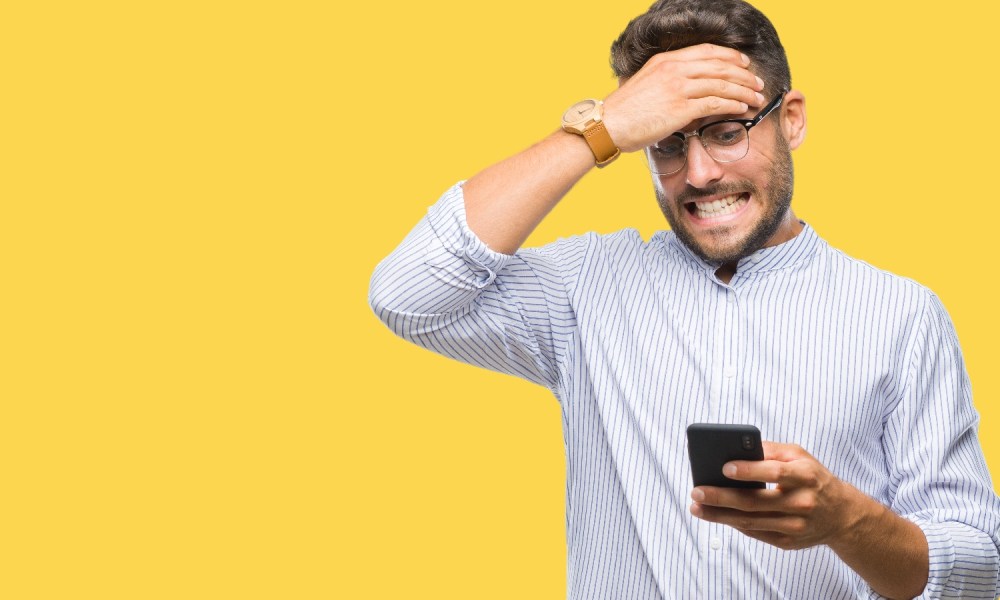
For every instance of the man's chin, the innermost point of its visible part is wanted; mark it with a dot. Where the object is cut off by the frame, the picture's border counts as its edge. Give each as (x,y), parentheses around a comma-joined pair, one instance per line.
(722,255)
(720,248)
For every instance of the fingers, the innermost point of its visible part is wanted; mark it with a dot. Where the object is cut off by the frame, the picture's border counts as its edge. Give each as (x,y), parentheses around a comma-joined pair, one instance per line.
(740,499)
(798,502)
(713,105)
(718,88)
(752,522)
(784,464)
(783,531)
(781,540)
(704,62)
(709,62)
(785,452)
(716,69)
(708,52)
(796,473)
(707,90)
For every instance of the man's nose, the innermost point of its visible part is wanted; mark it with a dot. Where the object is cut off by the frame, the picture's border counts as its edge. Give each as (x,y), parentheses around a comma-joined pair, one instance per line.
(702,170)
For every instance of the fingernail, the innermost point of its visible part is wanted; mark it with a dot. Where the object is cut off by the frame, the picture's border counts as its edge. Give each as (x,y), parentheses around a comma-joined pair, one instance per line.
(746,59)
(761,98)
(760,81)
(696,510)
(698,495)
(729,470)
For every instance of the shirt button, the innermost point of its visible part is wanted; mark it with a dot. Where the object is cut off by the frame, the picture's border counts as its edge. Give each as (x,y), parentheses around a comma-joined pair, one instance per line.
(730,371)
(730,297)
(716,543)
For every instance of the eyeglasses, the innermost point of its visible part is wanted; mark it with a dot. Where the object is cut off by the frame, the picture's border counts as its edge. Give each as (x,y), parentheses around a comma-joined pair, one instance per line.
(725,141)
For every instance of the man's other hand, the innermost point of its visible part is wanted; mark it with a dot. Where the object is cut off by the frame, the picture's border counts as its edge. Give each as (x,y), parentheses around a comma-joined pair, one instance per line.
(809,505)
(676,88)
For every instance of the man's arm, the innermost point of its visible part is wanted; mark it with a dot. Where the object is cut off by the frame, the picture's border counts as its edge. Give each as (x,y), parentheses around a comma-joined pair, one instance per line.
(878,538)
(940,535)
(455,286)
(505,202)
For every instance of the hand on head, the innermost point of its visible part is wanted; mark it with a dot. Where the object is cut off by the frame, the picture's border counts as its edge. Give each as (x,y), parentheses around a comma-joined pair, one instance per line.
(678,87)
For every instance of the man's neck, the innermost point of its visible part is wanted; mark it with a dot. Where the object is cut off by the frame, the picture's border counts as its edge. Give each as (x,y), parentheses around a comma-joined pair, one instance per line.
(725,272)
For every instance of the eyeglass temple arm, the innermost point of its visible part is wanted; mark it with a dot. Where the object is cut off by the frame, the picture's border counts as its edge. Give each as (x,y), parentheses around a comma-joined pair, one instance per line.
(773,104)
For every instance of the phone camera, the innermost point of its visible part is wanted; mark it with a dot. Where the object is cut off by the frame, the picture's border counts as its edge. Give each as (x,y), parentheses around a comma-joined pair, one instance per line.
(747,441)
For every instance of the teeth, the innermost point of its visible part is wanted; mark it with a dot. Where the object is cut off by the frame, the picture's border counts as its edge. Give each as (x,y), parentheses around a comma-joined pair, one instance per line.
(718,208)
(717,205)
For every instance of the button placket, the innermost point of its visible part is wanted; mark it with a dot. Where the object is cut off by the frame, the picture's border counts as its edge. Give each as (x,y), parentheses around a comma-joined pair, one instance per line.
(716,560)
(719,342)
(729,365)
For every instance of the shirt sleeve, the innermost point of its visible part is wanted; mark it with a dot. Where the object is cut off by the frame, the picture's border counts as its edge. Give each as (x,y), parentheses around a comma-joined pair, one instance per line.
(445,290)
(938,475)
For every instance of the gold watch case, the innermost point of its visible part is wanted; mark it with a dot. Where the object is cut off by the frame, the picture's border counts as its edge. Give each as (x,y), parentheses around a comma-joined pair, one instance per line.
(585,118)
(580,115)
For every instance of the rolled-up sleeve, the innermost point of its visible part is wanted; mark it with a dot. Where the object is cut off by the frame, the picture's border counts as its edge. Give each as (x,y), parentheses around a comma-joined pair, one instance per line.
(445,290)
(938,475)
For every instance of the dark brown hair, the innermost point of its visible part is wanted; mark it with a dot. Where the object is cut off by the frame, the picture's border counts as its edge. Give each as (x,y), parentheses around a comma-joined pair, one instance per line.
(675,24)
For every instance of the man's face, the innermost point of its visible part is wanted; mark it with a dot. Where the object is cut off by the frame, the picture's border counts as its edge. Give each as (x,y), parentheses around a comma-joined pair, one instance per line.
(726,211)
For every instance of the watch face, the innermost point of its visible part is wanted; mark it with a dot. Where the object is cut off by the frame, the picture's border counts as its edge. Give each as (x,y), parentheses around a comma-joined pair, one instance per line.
(580,111)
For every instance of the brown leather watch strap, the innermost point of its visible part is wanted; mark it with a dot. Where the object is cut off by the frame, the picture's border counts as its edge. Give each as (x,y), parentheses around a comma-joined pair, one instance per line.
(600,142)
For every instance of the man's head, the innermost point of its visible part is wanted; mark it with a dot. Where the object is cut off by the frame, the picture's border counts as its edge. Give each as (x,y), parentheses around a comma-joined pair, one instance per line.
(724,211)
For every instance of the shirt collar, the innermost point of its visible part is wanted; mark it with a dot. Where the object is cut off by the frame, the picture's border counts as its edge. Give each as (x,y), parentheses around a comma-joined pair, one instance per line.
(772,258)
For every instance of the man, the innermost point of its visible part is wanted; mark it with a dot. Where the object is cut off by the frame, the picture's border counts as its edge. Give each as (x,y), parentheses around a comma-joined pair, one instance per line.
(739,314)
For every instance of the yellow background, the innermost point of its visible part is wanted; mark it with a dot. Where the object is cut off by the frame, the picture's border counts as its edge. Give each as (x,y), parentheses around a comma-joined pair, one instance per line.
(196,399)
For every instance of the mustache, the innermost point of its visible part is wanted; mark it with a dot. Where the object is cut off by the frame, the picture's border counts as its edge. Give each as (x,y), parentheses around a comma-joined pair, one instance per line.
(692,193)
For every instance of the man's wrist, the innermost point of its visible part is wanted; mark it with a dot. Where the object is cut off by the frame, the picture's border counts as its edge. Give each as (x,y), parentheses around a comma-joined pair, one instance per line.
(872,537)
(586,119)
(861,517)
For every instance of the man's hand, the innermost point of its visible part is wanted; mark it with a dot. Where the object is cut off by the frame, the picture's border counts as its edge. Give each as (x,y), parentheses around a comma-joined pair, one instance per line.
(809,506)
(675,88)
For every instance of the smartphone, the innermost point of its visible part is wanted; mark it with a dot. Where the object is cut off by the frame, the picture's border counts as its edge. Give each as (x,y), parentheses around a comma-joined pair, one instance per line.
(712,445)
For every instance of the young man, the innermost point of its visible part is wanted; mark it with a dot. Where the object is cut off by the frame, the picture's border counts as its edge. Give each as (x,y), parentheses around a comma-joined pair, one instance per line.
(739,314)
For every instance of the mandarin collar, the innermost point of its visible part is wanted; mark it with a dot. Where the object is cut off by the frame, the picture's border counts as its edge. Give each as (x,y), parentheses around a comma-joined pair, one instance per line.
(784,255)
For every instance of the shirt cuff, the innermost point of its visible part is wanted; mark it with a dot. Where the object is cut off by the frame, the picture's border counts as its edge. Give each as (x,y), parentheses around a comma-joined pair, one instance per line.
(962,560)
(447,219)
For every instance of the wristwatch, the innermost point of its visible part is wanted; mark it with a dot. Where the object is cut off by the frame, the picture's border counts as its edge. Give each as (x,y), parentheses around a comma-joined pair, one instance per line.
(586,118)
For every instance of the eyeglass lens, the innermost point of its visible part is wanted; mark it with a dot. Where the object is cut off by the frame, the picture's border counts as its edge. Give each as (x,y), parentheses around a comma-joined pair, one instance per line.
(724,142)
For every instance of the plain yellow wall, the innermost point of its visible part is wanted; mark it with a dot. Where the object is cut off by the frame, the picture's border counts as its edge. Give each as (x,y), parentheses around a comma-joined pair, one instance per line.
(196,399)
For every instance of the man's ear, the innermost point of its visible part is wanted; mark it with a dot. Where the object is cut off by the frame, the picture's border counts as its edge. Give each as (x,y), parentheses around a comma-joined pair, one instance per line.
(793,118)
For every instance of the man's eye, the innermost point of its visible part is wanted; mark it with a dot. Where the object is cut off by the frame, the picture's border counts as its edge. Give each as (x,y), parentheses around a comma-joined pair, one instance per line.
(668,150)
(725,135)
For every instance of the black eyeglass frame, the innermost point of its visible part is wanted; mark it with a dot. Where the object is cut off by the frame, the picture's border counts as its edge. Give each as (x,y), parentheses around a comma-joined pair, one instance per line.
(748,124)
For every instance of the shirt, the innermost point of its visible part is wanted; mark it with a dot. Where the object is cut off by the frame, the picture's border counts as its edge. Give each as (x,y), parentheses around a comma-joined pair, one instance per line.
(638,339)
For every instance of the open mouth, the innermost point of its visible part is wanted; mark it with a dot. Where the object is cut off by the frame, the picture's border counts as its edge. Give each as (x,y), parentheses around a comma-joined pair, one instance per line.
(720,207)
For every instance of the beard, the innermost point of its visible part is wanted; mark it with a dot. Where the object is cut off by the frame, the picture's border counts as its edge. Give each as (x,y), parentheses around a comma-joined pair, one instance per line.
(776,197)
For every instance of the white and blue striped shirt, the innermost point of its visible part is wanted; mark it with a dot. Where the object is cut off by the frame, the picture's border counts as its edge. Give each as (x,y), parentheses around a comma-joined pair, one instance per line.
(637,340)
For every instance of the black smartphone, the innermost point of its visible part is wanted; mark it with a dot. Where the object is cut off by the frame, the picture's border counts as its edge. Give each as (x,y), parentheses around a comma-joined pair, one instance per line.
(712,445)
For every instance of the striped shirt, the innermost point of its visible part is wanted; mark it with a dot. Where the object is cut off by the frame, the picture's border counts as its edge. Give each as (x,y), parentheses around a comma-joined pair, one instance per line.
(638,339)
